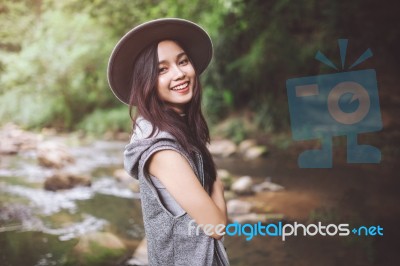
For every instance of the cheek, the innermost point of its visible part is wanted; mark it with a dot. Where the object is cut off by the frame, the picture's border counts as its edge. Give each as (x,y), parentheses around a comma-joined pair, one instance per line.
(190,71)
(162,84)
(163,88)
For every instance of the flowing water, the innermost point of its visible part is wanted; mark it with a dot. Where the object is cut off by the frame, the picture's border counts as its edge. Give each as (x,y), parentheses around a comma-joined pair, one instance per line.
(39,227)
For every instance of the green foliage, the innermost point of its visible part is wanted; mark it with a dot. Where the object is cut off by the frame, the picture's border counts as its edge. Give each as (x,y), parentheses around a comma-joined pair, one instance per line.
(53,60)
(53,54)
(263,118)
(107,120)
(269,42)
(216,103)
(236,127)
(58,75)
(281,141)
(27,108)
(16,15)
(122,15)
(236,131)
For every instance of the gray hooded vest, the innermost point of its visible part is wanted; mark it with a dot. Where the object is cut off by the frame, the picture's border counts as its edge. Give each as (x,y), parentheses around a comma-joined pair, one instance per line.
(169,238)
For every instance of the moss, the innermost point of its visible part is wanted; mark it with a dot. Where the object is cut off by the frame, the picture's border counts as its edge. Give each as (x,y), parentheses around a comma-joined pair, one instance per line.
(97,249)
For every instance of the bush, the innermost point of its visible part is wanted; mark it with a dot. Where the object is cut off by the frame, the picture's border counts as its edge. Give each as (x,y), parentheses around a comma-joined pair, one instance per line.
(58,74)
(102,121)
(216,103)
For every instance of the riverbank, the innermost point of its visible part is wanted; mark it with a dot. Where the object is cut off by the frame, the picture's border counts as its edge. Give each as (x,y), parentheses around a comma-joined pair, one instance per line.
(54,222)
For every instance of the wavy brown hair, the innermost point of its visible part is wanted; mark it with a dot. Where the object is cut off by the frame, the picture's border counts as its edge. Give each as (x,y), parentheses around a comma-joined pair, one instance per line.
(191,130)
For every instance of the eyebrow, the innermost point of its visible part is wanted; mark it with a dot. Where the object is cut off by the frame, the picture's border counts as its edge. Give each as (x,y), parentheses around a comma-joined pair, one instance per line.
(178,56)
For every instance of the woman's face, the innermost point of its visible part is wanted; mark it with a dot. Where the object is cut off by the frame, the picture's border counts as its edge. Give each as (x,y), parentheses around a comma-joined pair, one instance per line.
(176,75)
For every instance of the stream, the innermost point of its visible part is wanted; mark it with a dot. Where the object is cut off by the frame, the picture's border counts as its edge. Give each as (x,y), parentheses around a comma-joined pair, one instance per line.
(40,227)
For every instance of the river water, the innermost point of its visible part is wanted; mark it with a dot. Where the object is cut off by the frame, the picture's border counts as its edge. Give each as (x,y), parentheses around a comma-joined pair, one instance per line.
(39,227)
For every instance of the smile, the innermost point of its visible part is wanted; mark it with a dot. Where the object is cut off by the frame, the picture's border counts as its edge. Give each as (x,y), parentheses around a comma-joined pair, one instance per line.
(181,87)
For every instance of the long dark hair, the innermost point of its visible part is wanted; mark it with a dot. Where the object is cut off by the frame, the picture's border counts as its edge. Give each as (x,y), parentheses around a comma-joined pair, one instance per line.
(191,130)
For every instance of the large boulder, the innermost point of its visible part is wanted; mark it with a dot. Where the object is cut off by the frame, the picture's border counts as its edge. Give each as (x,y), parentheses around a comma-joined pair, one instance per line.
(222,148)
(255,152)
(246,144)
(243,185)
(8,147)
(236,207)
(13,139)
(66,181)
(250,150)
(98,248)
(54,155)
(267,186)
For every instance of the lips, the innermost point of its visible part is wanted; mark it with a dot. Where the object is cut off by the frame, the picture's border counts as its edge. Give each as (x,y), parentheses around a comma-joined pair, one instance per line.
(181,87)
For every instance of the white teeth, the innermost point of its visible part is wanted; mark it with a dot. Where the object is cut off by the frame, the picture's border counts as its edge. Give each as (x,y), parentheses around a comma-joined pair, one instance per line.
(180,87)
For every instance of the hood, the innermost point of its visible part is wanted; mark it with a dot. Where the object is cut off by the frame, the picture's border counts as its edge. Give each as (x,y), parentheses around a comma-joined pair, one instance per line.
(141,142)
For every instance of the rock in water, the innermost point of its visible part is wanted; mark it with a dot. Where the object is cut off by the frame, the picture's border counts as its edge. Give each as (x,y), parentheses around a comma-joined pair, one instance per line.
(54,155)
(255,152)
(222,148)
(267,186)
(13,139)
(243,185)
(246,144)
(66,181)
(236,206)
(98,248)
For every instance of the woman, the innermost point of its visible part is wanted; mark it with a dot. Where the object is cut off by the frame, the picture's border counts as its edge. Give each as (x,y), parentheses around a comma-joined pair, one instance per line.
(155,68)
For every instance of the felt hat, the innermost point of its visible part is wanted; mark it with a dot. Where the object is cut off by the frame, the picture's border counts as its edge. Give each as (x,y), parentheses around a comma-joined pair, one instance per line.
(194,39)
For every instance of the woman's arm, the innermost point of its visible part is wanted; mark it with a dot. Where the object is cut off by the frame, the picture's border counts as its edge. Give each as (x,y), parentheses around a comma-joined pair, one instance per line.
(175,173)
(217,196)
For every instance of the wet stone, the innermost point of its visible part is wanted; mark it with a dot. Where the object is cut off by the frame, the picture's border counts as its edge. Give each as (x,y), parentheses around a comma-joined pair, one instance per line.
(66,181)
(236,206)
(243,185)
(54,155)
(222,148)
(97,248)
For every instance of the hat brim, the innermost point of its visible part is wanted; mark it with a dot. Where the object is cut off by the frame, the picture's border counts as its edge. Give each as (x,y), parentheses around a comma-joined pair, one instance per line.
(194,39)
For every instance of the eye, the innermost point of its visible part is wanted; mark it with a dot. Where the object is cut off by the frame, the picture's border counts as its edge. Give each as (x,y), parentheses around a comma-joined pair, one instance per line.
(184,61)
(162,70)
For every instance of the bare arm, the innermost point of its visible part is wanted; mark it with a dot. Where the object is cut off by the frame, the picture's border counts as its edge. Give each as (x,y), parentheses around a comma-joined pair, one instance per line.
(217,196)
(174,171)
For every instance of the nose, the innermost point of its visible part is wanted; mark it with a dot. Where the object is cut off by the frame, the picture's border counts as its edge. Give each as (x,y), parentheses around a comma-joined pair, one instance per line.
(178,73)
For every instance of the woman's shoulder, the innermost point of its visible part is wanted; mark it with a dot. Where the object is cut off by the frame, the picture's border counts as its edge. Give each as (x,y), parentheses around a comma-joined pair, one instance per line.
(144,129)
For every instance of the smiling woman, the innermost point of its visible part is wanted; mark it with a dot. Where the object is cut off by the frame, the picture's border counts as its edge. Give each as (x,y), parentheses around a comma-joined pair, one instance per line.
(176,75)
(154,68)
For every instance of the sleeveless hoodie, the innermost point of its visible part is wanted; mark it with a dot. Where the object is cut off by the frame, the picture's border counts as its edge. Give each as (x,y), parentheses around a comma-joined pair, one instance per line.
(170,239)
